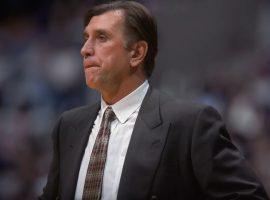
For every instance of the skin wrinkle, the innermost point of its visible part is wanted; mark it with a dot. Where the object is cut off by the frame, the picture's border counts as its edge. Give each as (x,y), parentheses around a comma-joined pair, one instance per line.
(114,44)
(109,67)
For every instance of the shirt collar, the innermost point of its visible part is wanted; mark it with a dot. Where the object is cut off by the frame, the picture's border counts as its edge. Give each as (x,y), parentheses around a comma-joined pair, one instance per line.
(129,104)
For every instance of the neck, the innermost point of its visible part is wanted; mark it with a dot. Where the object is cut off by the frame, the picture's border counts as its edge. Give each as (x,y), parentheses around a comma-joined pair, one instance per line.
(126,87)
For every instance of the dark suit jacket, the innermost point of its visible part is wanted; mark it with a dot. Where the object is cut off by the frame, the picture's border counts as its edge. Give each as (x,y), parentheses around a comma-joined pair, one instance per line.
(177,151)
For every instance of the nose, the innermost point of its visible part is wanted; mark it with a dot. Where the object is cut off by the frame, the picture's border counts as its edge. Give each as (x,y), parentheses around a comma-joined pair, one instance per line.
(87,49)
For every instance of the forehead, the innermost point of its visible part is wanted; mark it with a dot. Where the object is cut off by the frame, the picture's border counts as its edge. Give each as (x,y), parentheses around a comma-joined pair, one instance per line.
(109,20)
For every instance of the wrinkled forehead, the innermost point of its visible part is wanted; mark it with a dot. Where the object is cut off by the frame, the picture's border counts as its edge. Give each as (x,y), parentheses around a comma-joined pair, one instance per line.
(111,17)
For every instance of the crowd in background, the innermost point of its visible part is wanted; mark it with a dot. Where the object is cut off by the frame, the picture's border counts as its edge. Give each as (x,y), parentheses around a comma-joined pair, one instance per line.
(41,75)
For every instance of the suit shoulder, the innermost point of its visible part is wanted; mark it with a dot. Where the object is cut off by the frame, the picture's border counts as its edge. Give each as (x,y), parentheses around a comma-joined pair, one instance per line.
(80,111)
(170,102)
(173,107)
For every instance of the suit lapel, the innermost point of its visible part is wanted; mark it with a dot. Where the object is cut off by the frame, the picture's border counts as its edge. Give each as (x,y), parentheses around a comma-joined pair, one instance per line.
(76,139)
(144,151)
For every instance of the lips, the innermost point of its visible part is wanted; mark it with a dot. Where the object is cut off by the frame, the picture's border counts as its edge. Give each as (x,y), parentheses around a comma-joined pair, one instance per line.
(88,64)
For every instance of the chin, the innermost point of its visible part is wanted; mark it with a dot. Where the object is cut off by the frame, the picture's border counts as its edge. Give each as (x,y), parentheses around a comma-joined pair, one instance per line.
(90,84)
(95,85)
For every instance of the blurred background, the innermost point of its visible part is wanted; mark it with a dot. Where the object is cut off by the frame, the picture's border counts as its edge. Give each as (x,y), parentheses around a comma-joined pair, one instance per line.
(212,52)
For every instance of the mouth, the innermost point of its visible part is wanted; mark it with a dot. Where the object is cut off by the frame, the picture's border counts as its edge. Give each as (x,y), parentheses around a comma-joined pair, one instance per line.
(88,66)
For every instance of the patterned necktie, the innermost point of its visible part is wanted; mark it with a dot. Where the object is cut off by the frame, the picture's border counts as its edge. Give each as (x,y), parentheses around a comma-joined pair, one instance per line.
(93,181)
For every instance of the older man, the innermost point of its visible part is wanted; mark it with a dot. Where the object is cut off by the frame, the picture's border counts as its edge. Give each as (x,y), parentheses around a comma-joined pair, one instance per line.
(137,143)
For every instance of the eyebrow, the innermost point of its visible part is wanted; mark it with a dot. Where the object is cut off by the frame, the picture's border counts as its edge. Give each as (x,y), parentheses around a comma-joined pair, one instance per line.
(97,32)
(101,31)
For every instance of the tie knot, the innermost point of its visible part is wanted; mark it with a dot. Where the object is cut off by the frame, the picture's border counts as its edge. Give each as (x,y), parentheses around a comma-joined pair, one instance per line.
(109,114)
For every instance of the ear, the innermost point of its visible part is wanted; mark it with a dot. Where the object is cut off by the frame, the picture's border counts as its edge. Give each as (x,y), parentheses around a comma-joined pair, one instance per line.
(138,53)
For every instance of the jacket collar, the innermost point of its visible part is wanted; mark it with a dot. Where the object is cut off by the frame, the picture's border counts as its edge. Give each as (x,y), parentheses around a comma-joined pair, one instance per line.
(144,151)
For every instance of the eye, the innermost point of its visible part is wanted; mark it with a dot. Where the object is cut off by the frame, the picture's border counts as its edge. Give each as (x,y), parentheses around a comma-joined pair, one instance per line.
(102,37)
(85,38)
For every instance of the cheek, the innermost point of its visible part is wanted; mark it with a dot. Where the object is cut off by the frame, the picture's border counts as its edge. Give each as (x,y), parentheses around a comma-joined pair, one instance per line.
(113,59)
(117,58)
(115,66)
(113,52)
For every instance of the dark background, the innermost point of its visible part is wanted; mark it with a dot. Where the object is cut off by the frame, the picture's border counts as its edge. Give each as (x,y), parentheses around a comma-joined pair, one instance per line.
(212,52)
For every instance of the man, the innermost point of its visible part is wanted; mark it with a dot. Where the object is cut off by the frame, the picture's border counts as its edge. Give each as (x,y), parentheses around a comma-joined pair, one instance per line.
(138,143)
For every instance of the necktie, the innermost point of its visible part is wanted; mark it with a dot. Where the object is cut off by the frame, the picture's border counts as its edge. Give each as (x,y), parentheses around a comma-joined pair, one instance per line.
(93,181)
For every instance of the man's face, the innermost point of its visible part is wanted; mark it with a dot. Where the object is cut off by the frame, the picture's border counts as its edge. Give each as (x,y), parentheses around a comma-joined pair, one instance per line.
(106,60)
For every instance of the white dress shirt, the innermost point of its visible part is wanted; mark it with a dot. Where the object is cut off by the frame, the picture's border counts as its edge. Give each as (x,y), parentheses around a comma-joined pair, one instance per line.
(126,111)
